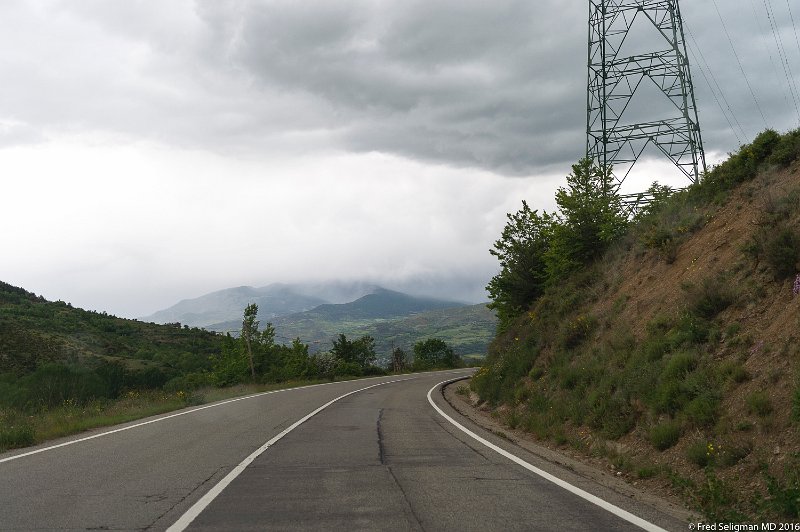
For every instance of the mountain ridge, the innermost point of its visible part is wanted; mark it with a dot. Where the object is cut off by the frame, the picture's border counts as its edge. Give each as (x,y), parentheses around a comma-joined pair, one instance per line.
(273,300)
(382,304)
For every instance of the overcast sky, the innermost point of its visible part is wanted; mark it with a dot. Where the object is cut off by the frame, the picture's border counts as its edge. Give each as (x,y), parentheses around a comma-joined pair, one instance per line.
(152,151)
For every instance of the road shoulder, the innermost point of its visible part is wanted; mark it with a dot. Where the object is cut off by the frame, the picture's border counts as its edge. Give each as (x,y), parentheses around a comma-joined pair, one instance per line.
(613,480)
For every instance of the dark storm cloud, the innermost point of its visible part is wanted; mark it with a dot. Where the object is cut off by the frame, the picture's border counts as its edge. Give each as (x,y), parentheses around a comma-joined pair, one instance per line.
(497,85)
(464,83)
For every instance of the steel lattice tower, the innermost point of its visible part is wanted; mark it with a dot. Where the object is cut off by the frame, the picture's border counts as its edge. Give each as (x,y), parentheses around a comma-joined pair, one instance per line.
(612,139)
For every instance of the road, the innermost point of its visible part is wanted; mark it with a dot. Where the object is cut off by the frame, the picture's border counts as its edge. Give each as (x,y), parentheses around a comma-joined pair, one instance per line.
(377,459)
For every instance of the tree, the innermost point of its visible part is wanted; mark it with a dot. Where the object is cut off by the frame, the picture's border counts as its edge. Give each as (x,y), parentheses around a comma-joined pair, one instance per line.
(522,251)
(365,351)
(325,365)
(264,349)
(230,366)
(399,362)
(540,250)
(357,354)
(249,333)
(590,218)
(434,353)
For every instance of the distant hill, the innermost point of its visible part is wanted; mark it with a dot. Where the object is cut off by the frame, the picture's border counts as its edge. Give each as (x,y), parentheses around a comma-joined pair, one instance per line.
(318,313)
(34,331)
(381,304)
(392,318)
(272,300)
(467,329)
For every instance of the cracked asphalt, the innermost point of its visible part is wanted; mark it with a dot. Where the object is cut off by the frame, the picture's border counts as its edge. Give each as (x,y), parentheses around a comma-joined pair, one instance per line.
(381,459)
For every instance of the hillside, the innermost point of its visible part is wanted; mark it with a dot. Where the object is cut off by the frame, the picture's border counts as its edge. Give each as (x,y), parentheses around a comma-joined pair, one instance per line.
(34,331)
(674,359)
(467,329)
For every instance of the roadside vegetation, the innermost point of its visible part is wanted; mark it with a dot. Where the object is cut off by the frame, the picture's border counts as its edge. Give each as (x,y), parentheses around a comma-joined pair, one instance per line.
(665,344)
(64,370)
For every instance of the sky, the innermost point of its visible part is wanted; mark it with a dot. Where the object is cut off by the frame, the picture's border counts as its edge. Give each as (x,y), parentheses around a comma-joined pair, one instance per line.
(155,151)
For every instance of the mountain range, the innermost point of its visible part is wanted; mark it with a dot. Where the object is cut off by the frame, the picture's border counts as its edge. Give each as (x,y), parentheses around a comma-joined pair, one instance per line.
(273,300)
(318,313)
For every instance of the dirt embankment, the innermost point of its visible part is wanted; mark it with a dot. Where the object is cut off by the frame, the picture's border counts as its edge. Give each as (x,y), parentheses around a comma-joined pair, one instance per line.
(711,325)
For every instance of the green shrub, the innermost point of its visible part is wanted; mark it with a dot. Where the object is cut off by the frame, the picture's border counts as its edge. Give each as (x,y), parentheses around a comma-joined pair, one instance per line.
(536,373)
(782,252)
(655,347)
(717,500)
(690,330)
(680,364)
(609,412)
(732,453)
(763,146)
(669,397)
(664,242)
(699,453)
(538,402)
(740,167)
(758,403)
(647,471)
(787,150)
(577,331)
(190,382)
(702,410)
(18,435)
(496,380)
(784,494)
(619,420)
(665,435)
(710,298)
(53,384)
(732,330)
(734,371)
(796,404)
(513,419)
(348,369)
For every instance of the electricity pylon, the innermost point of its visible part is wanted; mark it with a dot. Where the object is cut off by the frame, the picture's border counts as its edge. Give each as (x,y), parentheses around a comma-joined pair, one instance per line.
(614,138)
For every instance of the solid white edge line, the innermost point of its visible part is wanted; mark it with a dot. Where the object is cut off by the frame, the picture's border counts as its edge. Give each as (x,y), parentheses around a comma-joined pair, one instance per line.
(619,512)
(170,416)
(191,514)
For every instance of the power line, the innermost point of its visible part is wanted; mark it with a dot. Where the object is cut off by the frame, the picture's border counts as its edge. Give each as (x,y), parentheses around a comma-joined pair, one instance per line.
(714,95)
(782,54)
(736,55)
(767,50)
(719,88)
(796,40)
(791,17)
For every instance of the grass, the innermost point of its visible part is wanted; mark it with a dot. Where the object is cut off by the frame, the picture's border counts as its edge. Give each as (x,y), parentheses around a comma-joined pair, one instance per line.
(699,453)
(759,403)
(784,491)
(710,297)
(21,429)
(665,435)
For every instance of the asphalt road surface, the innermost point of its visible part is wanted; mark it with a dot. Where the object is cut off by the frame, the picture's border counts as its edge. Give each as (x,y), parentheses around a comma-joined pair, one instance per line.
(380,458)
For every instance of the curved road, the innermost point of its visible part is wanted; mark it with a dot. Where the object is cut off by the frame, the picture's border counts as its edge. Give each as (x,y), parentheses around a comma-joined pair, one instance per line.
(380,458)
